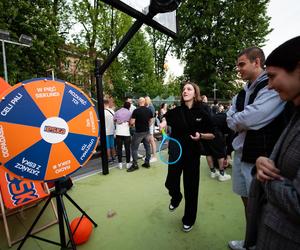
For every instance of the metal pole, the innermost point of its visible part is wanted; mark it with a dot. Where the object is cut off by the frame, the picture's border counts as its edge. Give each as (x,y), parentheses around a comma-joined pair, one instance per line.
(99,71)
(4,55)
(4,62)
(101,117)
(133,29)
(215,91)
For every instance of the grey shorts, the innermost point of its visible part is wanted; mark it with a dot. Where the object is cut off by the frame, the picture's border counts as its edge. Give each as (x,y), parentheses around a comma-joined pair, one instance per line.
(241,175)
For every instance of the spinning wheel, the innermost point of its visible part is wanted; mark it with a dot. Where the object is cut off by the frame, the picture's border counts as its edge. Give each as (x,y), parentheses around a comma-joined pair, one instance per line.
(48,129)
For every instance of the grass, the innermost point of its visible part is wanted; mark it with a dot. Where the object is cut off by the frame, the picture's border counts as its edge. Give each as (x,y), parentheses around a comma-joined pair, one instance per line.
(142,220)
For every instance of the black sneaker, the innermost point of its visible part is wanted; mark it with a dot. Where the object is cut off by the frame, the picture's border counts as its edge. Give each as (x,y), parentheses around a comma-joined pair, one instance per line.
(132,168)
(146,165)
(187,228)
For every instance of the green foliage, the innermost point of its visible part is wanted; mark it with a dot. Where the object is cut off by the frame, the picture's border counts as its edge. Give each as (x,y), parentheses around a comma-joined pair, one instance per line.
(40,19)
(212,32)
(139,67)
(103,27)
(161,44)
(172,87)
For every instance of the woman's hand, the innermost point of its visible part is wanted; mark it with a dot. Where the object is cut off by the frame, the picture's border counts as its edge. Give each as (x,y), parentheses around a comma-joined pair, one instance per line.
(196,137)
(266,170)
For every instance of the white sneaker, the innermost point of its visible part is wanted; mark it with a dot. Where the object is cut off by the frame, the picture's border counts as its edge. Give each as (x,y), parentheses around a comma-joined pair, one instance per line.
(187,228)
(236,245)
(120,165)
(214,174)
(128,165)
(153,159)
(224,177)
(172,208)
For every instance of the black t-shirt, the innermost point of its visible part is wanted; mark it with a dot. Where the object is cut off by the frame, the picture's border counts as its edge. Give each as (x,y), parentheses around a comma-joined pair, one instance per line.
(142,116)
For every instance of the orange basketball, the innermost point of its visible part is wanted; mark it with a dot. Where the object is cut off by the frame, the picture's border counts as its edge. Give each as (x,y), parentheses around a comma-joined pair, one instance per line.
(82,232)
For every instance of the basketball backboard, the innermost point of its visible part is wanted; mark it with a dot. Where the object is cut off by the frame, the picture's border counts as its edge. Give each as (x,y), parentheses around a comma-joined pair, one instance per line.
(164,22)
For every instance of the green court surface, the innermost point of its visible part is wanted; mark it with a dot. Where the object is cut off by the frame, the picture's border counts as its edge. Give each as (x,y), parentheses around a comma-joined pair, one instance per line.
(141,219)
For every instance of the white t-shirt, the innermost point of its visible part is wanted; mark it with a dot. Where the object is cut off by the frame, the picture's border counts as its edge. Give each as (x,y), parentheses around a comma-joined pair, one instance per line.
(109,121)
(122,129)
(132,108)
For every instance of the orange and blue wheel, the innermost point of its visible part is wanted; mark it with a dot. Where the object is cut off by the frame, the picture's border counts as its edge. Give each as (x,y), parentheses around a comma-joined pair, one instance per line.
(48,129)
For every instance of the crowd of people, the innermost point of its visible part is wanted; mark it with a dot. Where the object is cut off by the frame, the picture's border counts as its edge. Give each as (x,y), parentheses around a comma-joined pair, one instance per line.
(261,126)
(129,126)
(125,125)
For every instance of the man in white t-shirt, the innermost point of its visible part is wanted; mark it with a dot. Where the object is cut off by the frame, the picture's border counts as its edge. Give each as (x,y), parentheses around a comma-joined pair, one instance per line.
(110,131)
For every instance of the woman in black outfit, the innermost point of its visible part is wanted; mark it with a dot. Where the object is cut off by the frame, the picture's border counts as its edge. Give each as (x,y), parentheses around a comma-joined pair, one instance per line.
(190,123)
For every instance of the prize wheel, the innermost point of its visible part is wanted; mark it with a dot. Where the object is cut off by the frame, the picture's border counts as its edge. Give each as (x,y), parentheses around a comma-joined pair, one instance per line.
(48,129)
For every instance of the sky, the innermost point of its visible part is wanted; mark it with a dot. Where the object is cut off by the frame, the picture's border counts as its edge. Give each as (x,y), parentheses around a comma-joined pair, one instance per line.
(285,21)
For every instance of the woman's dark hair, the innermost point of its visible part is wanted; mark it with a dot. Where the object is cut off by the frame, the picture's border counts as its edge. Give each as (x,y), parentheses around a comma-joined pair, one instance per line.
(197,98)
(286,56)
(127,105)
(162,105)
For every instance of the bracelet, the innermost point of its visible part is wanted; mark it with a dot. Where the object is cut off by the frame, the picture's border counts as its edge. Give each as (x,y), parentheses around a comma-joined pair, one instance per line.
(200,135)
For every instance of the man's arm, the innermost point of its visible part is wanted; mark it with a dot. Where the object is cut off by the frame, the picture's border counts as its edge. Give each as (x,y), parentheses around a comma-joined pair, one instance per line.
(151,121)
(132,122)
(266,106)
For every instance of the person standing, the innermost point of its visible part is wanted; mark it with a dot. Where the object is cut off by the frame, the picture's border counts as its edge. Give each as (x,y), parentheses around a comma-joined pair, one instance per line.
(255,117)
(141,118)
(110,130)
(274,201)
(122,118)
(132,106)
(215,150)
(163,110)
(190,123)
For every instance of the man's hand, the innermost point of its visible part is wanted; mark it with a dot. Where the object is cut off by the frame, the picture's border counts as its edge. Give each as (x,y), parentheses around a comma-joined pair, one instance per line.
(266,170)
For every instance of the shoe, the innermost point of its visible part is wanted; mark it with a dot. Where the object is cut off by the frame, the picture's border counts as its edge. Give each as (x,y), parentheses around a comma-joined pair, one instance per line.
(133,168)
(153,159)
(214,174)
(236,245)
(127,165)
(140,156)
(120,165)
(146,165)
(224,177)
(172,208)
(186,228)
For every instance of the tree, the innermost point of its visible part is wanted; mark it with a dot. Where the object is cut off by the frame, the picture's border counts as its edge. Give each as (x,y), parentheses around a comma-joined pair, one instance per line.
(102,29)
(172,87)
(161,44)
(212,32)
(41,20)
(139,67)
